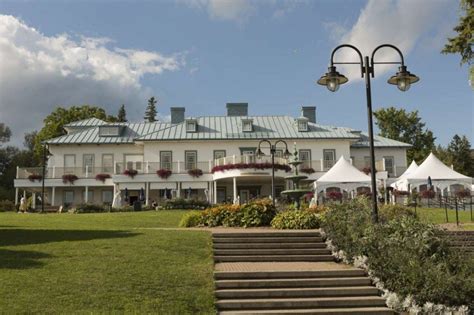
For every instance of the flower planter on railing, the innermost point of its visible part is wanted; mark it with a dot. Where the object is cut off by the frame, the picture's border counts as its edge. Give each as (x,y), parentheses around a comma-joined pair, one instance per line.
(164,173)
(256,166)
(102,177)
(69,178)
(34,177)
(307,170)
(130,173)
(196,172)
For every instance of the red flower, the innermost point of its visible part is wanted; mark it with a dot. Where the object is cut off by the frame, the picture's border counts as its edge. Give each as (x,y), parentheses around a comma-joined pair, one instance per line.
(131,173)
(102,177)
(34,177)
(334,195)
(69,178)
(256,166)
(400,193)
(430,194)
(196,172)
(164,173)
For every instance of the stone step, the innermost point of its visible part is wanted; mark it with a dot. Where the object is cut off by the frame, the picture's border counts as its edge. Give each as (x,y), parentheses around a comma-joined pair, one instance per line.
(268,245)
(290,303)
(332,273)
(302,239)
(296,292)
(256,258)
(259,252)
(292,283)
(328,311)
(267,234)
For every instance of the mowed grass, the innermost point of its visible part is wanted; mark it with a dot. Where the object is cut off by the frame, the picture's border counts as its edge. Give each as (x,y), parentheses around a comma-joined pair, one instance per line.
(438,216)
(97,263)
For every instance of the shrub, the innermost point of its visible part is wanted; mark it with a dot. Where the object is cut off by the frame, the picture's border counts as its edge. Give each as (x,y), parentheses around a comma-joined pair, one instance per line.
(307,170)
(390,212)
(7,205)
(334,195)
(400,193)
(181,203)
(190,219)
(296,219)
(258,213)
(89,208)
(164,173)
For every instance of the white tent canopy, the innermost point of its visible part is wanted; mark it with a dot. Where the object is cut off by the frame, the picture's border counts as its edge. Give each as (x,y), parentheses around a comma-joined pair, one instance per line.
(401,182)
(441,175)
(344,176)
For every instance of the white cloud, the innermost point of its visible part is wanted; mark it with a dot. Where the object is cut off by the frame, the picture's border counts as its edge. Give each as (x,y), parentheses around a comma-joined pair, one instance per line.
(232,10)
(39,72)
(401,23)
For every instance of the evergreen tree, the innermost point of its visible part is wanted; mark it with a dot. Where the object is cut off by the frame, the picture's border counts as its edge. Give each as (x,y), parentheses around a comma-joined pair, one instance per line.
(122,114)
(460,151)
(150,113)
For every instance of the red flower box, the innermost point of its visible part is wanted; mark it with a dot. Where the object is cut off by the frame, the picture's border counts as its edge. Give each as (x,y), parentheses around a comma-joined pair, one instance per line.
(69,178)
(102,177)
(307,170)
(256,166)
(196,172)
(164,173)
(130,173)
(34,177)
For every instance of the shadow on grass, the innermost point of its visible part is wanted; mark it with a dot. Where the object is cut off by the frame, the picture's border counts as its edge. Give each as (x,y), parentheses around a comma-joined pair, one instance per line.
(21,259)
(12,237)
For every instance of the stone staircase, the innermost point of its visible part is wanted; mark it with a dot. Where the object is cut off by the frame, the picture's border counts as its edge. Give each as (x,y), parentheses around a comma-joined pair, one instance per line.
(461,240)
(288,273)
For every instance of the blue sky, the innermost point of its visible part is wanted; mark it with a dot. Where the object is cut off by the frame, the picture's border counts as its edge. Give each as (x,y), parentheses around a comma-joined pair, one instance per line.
(203,53)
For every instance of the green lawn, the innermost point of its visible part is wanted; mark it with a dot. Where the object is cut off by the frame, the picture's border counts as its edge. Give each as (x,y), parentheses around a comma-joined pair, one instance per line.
(438,216)
(111,262)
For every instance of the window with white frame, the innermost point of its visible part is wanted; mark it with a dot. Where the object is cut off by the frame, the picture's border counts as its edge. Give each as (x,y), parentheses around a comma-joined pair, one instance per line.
(69,163)
(166,160)
(389,164)
(107,196)
(88,163)
(219,154)
(191,126)
(329,158)
(108,163)
(109,131)
(302,124)
(247,125)
(134,162)
(68,197)
(190,158)
(304,155)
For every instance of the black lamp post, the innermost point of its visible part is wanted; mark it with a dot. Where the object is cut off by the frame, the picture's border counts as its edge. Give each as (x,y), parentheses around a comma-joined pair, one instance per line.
(403,79)
(273,149)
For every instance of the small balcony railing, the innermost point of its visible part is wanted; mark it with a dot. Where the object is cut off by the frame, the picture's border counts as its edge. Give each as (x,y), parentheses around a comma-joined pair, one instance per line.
(58,172)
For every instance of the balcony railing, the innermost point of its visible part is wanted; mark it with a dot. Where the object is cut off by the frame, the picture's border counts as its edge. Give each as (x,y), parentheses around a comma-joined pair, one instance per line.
(58,172)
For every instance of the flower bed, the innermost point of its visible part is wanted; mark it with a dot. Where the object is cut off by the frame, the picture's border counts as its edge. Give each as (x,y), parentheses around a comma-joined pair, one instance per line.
(130,173)
(195,172)
(102,177)
(164,173)
(428,194)
(69,178)
(256,166)
(34,177)
(465,193)
(334,195)
(409,260)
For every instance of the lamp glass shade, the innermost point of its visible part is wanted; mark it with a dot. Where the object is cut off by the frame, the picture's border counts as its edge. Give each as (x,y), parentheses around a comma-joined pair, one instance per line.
(332,79)
(259,153)
(286,154)
(403,79)
(333,84)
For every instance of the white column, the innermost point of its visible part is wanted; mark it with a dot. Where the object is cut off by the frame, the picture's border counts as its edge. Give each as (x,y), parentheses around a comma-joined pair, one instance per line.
(86,195)
(147,193)
(53,195)
(179,168)
(16,196)
(210,166)
(322,165)
(147,169)
(17,171)
(234,180)
(215,192)
(178,189)
(33,203)
(87,172)
(54,172)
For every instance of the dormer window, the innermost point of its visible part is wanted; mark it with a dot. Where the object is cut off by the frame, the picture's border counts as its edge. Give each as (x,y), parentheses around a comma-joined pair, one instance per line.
(191,125)
(109,131)
(302,123)
(247,125)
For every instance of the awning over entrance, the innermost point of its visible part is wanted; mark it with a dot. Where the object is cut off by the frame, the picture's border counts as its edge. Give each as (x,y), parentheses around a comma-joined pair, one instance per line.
(166,185)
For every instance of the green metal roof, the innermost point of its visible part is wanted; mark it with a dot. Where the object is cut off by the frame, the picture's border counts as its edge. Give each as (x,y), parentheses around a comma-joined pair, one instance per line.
(230,128)
(91,135)
(90,122)
(379,142)
(217,128)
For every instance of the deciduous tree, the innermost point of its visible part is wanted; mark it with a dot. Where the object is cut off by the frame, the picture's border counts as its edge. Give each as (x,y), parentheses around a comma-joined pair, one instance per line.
(407,127)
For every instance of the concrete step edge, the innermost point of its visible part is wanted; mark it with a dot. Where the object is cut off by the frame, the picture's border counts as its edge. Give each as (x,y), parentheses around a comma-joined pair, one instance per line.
(247,275)
(333,311)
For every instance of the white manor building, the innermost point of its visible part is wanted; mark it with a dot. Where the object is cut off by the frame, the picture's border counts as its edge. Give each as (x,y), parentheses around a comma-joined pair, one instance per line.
(95,159)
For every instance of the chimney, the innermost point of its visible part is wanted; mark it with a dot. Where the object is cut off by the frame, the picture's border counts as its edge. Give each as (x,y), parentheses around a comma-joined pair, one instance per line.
(237,109)
(177,115)
(309,112)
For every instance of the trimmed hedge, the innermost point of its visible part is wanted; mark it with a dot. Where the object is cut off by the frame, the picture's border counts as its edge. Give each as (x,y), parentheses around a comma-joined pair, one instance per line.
(296,219)
(185,204)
